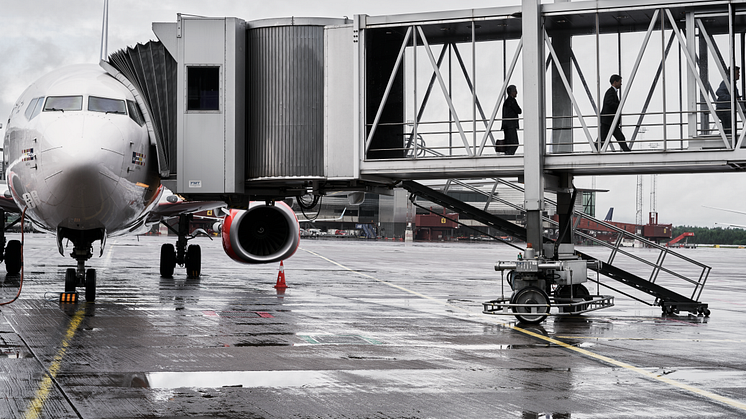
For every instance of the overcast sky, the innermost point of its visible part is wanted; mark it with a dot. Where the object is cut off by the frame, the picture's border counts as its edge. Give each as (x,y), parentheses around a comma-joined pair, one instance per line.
(37,36)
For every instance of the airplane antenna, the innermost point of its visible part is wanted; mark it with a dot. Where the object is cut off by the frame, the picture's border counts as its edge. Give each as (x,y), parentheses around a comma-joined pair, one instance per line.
(105,33)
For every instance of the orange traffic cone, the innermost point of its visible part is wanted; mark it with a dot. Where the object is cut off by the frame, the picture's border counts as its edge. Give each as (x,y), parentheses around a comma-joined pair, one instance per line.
(281,277)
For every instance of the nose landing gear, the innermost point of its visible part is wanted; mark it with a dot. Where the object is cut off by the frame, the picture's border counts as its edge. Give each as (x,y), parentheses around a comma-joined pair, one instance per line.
(188,256)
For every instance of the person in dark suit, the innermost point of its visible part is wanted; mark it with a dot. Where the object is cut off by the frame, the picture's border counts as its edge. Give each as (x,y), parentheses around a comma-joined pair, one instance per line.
(609,109)
(511,110)
(723,101)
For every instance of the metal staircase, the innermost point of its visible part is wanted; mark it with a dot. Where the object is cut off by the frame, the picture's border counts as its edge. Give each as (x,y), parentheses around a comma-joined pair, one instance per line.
(663,283)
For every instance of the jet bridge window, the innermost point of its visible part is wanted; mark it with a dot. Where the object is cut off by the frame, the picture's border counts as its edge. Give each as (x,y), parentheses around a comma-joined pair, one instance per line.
(102,104)
(64,103)
(203,88)
(135,113)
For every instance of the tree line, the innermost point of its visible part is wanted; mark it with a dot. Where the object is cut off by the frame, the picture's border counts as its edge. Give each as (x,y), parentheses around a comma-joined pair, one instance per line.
(717,235)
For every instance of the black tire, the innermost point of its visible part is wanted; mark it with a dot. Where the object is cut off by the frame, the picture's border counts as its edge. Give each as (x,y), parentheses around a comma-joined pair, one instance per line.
(90,285)
(193,261)
(13,257)
(168,260)
(71,280)
(530,295)
(577,291)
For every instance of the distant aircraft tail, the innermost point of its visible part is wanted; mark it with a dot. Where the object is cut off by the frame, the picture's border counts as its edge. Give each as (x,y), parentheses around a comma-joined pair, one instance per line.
(609,214)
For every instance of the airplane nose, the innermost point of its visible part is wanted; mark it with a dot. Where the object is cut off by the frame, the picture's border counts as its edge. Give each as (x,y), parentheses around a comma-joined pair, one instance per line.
(82,158)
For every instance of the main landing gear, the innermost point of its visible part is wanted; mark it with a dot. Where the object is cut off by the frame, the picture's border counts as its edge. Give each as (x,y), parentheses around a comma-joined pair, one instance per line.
(12,253)
(187,256)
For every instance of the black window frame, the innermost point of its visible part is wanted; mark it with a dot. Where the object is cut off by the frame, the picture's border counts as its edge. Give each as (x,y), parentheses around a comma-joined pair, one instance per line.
(123,111)
(204,90)
(52,99)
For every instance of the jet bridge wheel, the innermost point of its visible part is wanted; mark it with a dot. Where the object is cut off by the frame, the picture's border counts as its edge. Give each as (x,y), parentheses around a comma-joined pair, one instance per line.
(168,260)
(193,261)
(71,280)
(13,257)
(577,291)
(530,295)
(90,285)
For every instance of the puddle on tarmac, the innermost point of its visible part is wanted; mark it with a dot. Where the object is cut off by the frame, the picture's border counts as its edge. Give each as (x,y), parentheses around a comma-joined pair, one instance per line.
(534,415)
(701,376)
(250,379)
(253,344)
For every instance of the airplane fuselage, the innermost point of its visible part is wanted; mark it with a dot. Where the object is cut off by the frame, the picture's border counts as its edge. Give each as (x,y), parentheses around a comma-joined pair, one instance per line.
(78,157)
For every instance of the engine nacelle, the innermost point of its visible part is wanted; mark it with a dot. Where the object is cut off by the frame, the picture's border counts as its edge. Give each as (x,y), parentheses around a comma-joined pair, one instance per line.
(262,234)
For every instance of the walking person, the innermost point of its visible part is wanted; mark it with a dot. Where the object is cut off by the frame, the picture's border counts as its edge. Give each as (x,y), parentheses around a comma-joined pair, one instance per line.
(511,110)
(608,111)
(723,101)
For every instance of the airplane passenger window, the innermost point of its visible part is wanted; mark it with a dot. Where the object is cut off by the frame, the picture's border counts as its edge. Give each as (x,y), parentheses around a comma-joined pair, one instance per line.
(102,104)
(64,103)
(135,113)
(203,88)
(31,107)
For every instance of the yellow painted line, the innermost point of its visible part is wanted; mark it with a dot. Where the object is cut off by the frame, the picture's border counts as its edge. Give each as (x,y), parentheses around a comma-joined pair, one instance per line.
(655,339)
(704,393)
(33,411)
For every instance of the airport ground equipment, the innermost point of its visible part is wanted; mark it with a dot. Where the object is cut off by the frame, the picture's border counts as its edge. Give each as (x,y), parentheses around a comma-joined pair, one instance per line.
(539,284)
(669,300)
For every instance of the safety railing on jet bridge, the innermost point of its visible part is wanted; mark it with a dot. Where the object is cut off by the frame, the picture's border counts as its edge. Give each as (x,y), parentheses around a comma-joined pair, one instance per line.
(436,140)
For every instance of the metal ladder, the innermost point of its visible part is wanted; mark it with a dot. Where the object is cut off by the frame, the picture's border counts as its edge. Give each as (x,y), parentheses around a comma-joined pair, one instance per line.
(670,301)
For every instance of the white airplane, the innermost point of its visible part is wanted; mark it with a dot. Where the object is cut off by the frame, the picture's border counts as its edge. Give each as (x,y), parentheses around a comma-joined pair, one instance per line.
(80,164)
(729,210)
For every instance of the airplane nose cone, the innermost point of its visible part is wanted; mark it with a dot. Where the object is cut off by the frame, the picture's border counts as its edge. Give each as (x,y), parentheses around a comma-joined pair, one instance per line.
(81,161)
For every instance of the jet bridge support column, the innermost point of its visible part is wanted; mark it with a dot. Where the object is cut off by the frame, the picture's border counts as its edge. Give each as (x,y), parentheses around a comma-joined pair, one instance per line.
(534,121)
(562,108)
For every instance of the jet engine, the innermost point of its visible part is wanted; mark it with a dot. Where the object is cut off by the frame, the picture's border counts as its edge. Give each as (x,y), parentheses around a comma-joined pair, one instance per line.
(262,234)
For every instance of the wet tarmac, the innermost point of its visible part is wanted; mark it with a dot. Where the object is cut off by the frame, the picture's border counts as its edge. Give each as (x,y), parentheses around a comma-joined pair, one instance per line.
(365,330)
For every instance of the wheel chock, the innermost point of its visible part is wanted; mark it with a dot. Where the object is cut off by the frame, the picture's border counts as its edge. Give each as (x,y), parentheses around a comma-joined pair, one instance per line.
(69,297)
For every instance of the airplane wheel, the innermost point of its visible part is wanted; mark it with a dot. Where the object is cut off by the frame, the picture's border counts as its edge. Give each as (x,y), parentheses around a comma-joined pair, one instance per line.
(168,260)
(13,257)
(530,295)
(71,280)
(193,261)
(90,285)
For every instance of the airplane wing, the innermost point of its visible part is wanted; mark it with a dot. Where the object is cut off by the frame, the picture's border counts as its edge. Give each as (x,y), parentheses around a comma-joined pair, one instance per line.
(725,209)
(173,209)
(731,225)
(321,219)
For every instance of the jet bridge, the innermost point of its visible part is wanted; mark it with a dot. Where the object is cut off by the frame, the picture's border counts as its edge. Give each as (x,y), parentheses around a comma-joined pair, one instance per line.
(278,107)
(284,107)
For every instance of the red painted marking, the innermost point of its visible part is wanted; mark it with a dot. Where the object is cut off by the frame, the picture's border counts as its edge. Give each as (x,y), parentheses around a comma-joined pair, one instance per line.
(264,314)
(210,313)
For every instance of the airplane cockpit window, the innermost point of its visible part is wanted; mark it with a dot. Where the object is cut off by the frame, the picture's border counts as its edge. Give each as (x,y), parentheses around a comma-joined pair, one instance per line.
(102,104)
(135,113)
(31,107)
(64,103)
(37,109)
